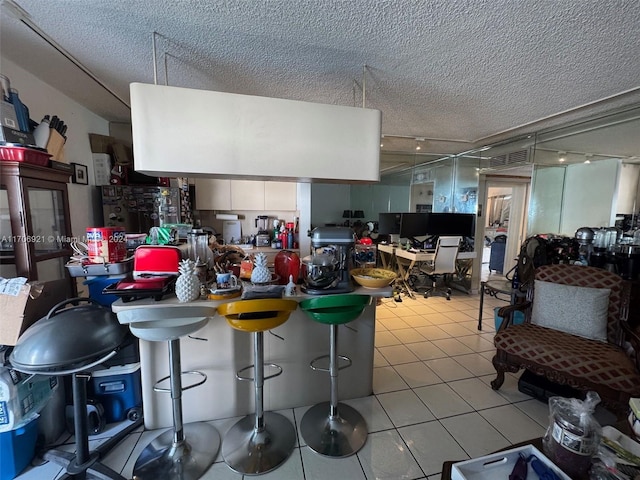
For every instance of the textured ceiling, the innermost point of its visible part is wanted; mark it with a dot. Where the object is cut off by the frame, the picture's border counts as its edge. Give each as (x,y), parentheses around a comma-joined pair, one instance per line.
(457,73)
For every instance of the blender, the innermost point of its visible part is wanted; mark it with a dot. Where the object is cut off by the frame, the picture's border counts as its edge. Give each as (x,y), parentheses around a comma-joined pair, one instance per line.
(263,238)
(200,253)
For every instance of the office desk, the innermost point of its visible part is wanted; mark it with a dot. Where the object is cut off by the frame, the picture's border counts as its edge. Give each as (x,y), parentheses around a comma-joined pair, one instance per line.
(464,261)
(387,255)
(393,257)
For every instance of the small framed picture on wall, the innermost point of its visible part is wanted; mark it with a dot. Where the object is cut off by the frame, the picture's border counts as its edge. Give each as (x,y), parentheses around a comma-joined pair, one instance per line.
(80,174)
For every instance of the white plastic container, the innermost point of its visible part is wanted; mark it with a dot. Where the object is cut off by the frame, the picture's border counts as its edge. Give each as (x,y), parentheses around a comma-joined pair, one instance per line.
(22,397)
(500,464)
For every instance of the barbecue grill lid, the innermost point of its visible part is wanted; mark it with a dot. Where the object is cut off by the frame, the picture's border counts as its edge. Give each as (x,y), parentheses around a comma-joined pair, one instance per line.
(68,338)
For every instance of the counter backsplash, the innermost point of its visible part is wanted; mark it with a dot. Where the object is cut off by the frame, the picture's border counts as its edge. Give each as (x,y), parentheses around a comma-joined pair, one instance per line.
(247,219)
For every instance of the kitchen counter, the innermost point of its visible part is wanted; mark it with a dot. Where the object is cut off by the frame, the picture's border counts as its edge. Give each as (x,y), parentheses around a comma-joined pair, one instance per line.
(269,252)
(219,351)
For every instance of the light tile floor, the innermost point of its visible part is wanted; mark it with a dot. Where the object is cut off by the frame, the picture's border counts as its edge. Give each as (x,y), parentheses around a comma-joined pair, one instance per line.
(431,402)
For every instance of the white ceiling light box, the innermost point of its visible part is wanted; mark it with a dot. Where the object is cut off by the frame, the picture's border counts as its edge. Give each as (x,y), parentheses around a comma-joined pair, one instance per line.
(200,133)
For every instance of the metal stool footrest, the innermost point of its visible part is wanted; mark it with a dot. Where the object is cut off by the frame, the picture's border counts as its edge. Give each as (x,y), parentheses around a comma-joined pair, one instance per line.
(251,379)
(190,372)
(322,369)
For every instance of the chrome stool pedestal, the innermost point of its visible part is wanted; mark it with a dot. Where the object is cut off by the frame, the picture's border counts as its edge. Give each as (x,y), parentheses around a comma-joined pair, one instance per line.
(331,428)
(185,452)
(170,455)
(261,442)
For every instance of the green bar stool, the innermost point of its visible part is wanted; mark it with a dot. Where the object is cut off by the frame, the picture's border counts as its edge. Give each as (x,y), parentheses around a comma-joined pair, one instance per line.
(330,428)
(261,442)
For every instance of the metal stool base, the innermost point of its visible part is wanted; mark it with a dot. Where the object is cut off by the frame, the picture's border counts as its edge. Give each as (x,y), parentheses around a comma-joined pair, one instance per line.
(162,460)
(339,436)
(252,452)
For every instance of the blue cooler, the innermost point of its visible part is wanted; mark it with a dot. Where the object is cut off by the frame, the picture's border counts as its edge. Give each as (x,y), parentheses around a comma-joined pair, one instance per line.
(18,447)
(119,390)
(518,317)
(97,284)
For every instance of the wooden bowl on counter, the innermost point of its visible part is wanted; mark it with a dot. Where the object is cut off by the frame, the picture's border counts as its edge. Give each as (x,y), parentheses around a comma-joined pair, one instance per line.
(373,277)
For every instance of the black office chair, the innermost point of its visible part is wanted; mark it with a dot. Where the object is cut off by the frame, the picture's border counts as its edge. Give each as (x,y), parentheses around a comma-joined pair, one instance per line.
(443,264)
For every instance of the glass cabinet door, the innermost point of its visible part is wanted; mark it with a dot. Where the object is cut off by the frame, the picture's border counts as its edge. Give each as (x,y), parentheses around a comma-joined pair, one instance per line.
(46,211)
(7,255)
(35,227)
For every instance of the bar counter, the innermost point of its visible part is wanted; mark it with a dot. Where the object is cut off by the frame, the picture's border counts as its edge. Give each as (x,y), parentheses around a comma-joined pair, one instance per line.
(219,351)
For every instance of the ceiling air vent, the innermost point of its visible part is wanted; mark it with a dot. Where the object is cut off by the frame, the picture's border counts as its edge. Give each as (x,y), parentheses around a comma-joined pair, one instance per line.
(519,157)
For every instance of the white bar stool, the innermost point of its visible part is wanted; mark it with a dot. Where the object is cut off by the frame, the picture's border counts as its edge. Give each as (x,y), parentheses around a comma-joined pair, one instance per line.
(186,451)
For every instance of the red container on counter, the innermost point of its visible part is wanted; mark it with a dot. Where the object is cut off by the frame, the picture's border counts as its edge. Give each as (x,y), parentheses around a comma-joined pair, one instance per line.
(287,263)
(106,244)
(13,153)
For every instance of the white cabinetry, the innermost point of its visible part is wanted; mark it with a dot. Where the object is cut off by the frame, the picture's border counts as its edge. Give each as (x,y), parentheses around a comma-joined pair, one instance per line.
(280,196)
(215,194)
(247,195)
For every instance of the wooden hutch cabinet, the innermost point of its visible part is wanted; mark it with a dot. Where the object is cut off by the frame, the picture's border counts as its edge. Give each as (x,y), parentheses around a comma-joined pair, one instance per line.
(35,226)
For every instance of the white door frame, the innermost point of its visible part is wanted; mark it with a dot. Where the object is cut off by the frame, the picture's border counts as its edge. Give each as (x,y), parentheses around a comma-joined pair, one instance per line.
(516,231)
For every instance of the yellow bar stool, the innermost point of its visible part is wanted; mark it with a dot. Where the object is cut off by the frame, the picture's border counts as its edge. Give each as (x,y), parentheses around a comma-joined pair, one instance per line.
(261,442)
(171,456)
(330,428)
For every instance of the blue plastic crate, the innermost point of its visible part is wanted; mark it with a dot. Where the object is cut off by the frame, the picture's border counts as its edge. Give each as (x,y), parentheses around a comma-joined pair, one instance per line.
(18,447)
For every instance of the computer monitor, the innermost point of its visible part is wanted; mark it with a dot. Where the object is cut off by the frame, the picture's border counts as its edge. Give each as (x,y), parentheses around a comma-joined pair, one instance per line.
(462,224)
(414,225)
(389,223)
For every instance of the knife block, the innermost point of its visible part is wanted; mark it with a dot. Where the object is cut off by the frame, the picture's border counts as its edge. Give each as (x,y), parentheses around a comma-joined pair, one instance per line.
(55,145)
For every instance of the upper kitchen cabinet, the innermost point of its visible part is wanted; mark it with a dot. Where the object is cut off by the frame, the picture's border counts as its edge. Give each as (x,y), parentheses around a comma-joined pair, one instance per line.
(213,194)
(247,195)
(216,194)
(279,196)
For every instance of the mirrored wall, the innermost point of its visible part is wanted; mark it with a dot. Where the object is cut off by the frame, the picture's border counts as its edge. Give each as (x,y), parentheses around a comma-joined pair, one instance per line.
(583,174)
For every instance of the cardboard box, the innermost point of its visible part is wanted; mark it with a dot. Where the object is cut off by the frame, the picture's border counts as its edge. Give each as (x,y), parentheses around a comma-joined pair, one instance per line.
(122,154)
(32,302)
(101,143)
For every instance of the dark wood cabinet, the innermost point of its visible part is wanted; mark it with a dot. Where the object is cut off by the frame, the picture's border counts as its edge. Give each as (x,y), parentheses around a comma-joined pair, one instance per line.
(35,227)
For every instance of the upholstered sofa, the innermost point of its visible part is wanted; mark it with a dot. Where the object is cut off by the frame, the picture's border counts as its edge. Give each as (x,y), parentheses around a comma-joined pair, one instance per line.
(575,332)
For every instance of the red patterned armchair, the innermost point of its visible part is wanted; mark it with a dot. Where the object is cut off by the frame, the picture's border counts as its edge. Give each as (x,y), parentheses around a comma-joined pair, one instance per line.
(575,333)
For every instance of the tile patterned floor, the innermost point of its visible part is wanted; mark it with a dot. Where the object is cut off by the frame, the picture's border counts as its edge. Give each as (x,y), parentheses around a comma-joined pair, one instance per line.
(432,402)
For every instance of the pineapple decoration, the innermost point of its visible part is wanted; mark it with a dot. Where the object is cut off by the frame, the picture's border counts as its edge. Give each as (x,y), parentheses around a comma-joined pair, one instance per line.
(260,272)
(188,283)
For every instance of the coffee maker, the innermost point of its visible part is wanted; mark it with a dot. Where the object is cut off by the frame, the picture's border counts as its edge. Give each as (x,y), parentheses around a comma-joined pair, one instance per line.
(341,241)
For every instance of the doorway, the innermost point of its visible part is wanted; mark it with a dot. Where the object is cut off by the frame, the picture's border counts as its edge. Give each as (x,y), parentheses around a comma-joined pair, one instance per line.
(505,201)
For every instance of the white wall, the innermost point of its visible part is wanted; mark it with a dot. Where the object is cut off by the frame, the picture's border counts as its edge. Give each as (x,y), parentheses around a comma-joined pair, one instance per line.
(41,99)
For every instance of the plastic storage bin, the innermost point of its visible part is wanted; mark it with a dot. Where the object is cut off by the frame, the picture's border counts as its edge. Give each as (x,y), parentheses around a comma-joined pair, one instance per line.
(18,448)
(119,391)
(500,464)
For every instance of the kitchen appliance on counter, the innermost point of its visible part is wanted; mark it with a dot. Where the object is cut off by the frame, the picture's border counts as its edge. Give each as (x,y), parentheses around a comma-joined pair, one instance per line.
(155,269)
(327,269)
(263,238)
